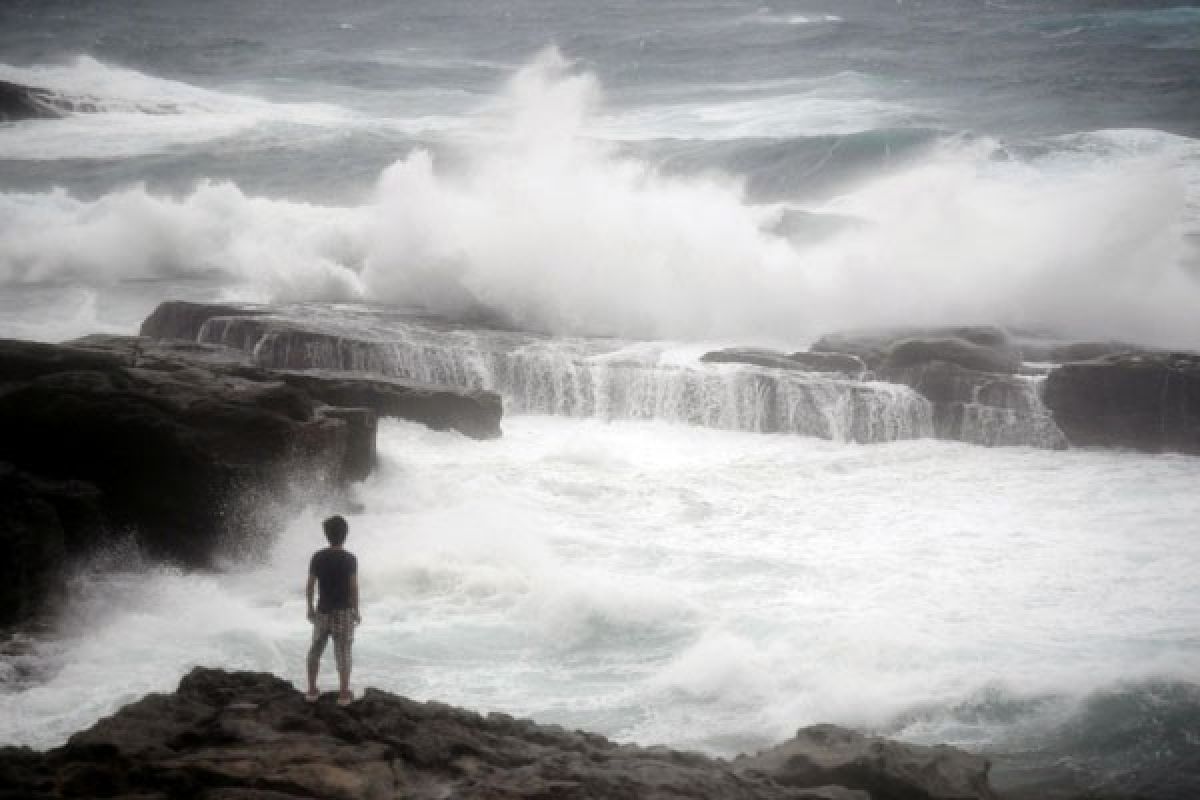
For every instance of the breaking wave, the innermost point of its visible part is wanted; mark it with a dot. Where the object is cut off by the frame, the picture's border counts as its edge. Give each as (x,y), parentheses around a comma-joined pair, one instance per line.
(539,220)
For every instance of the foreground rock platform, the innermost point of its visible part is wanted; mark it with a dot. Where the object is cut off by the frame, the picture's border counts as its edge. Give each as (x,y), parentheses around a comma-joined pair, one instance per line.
(182,446)
(251,736)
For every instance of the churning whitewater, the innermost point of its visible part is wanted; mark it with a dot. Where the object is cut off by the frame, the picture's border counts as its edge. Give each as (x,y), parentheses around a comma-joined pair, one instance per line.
(710,589)
(594,195)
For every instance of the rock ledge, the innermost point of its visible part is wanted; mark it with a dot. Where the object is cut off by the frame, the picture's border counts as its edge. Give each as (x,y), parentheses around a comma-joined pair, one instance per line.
(251,736)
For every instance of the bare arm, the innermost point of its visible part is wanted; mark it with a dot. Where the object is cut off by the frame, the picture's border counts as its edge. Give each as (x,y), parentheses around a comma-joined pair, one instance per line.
(308,596)
(354,596)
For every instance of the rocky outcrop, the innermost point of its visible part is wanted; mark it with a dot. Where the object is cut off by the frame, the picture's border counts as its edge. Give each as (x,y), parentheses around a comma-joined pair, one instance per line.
(177,319)
(40,522)
(18,102)
(886,769)
(967,374)
(245,735)
(185,446)
(180,452)
(1146,401)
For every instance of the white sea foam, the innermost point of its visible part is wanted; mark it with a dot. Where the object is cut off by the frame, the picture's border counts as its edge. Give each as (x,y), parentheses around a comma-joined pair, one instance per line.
(693,587)
(540,220)
(282,249)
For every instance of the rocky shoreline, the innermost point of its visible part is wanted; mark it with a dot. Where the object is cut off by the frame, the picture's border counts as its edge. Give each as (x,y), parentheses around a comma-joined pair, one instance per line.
(251,736)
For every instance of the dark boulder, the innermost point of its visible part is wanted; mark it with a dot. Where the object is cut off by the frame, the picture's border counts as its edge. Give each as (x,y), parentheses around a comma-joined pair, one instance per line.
(1147,401)
(887,769)
(19,102)
(40,522)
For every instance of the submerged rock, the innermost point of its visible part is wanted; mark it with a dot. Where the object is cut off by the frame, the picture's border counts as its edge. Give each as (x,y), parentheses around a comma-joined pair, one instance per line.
(1146,401)
(252,735)
(888,770)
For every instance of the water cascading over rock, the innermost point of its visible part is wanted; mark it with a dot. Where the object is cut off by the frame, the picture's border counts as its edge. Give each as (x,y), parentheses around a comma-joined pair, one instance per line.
(570,377)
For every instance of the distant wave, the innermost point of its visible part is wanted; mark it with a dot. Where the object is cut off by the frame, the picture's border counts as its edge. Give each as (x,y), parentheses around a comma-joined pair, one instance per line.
(114,112)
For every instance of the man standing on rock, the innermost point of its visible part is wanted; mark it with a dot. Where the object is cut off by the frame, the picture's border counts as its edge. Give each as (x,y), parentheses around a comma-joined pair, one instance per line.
(334,571)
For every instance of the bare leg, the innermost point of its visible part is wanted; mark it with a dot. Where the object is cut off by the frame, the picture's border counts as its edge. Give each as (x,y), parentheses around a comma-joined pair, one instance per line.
(343,639)
(320,637)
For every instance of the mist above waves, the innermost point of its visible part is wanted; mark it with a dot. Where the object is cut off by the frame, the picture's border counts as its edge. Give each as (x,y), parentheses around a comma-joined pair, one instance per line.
(539,220)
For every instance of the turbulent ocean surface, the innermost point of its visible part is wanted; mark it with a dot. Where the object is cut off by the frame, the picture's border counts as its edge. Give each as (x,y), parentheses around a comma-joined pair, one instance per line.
(681,175)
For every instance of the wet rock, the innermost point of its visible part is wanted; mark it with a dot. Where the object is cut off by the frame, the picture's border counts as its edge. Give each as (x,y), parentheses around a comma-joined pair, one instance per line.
(186,445)
(888,770)
(918,351)
(19,102)
(40,522)
(874,346)
(340,370)
(182,453)
(757,357)
(476,414)
(1061,352)
(968,375)
(808,362)
(183,320)
(831,362)
(1147,401)
(171,451)
(244,736)
(981,408)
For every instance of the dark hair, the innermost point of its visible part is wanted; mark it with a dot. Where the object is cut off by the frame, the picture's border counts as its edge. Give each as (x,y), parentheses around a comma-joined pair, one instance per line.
(336,530)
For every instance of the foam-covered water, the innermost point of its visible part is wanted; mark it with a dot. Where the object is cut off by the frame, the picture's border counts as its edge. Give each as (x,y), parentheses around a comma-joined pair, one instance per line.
(702,588)
(707,174)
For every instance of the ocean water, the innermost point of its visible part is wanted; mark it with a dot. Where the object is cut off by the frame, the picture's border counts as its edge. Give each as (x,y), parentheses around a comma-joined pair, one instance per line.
(684,175)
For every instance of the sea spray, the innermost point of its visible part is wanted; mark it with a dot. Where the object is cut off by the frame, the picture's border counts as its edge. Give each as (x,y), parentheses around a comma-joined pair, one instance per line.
(540,221)
(700,588)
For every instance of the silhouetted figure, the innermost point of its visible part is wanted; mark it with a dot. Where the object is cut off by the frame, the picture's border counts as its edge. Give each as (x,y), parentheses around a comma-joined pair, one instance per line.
(333,571)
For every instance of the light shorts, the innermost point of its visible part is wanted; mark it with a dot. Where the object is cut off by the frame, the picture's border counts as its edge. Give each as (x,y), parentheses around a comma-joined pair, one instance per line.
(340,625)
